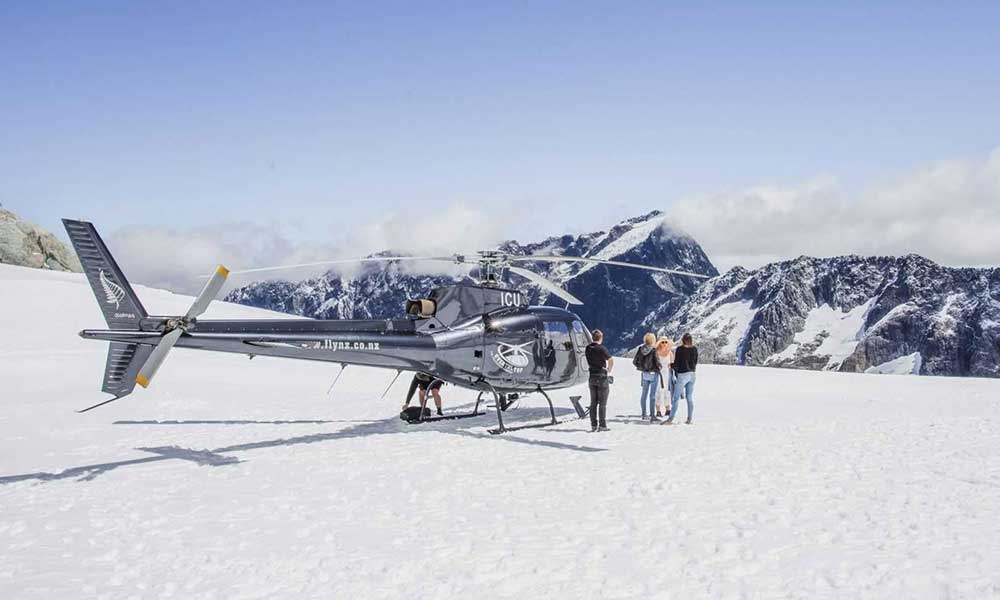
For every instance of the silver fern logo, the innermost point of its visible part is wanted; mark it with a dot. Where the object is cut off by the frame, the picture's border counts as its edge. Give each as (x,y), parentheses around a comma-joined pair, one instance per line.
(113,293)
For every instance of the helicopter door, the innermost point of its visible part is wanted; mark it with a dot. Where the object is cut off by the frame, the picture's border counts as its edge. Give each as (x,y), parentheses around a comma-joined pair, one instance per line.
(559,354)
(581,338)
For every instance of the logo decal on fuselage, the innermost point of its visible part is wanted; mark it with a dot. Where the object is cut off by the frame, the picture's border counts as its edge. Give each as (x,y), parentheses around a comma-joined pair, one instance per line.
(113,293)
(512,358)
(335,345)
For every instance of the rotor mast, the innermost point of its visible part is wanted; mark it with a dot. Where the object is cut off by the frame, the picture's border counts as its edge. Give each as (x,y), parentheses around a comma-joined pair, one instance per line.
(492,267)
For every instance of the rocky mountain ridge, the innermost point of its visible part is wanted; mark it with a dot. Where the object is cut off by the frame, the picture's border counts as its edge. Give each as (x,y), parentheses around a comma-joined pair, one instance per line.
(851,313)
(28,245)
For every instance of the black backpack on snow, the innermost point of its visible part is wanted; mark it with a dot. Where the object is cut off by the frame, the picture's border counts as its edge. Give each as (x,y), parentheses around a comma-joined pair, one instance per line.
(412,414)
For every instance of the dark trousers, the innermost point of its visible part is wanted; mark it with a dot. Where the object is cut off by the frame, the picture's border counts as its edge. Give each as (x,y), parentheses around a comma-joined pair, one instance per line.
(598,400)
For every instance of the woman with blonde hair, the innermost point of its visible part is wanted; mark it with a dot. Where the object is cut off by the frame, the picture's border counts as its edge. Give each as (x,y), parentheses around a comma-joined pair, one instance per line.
(665,351)
(649,364)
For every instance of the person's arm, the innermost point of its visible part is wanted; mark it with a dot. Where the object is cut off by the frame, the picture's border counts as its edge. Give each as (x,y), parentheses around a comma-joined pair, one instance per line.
(413,388)
(694,358)
(611,364)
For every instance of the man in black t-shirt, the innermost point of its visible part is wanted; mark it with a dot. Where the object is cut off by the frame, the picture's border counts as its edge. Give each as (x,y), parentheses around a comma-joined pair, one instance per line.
(600,363)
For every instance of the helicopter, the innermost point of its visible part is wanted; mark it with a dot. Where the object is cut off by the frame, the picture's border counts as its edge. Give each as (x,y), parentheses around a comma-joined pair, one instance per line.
(483,336)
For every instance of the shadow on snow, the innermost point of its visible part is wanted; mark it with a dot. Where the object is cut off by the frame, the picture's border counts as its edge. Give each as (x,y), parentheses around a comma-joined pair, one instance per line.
(220,456)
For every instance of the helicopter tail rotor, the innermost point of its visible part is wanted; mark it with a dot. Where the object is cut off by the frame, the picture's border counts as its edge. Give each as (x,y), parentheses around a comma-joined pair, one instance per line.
(177,327)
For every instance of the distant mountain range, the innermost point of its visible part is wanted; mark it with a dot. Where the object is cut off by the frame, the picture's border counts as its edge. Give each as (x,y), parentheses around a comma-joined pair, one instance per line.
(849,313)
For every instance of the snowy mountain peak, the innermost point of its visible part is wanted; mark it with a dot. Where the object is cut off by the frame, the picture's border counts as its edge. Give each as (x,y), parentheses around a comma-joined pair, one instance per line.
(848,313)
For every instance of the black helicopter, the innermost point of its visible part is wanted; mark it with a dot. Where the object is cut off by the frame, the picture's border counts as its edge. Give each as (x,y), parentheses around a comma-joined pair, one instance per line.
(481,336)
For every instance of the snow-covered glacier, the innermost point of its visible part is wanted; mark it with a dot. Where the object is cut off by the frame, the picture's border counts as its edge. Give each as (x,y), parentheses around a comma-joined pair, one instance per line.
(231,478)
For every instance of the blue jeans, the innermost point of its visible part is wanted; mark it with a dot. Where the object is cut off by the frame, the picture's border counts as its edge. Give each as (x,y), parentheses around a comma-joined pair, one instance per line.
(685,382)
(649,383)
(665,393)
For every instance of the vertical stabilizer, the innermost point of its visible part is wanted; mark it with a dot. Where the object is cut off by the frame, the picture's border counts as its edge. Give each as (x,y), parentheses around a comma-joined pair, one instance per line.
(118,302)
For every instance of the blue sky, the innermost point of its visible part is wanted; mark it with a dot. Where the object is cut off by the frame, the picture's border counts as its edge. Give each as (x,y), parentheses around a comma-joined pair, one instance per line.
(324,117)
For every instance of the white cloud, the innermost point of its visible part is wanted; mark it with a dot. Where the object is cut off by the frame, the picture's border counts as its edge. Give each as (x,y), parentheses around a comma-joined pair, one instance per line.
(948,212)
(459,228)
(174,258)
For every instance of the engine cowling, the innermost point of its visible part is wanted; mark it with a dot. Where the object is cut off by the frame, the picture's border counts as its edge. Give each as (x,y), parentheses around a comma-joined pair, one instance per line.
(421,308)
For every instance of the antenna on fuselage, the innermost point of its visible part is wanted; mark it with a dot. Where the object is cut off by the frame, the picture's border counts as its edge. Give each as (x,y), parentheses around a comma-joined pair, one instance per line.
(391,383)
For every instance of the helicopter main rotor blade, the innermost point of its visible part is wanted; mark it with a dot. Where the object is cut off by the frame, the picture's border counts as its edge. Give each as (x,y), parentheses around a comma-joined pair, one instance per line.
(542,282)
(617,263)
(344,261)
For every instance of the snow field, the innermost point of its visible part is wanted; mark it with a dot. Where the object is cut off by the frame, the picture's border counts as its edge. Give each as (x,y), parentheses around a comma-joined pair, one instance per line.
(243,479)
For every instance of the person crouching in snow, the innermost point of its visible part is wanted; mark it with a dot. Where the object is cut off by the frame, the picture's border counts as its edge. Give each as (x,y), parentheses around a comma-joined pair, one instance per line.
(685,363)
(426,383)
(665,351)
(649,364)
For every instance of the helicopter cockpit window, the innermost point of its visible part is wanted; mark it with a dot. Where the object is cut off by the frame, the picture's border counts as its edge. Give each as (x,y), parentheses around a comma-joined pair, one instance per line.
(558,333)
(504,322)
(581,334)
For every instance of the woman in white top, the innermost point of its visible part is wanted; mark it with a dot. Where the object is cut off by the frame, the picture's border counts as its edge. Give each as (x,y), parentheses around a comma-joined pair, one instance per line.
(665,350)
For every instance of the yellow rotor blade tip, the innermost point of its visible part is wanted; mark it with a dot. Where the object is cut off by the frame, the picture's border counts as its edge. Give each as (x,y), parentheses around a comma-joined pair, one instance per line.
(142,380)
(222,271)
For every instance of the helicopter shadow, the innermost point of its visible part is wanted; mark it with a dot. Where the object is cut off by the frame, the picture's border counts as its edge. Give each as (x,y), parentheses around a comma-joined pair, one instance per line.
(222,456)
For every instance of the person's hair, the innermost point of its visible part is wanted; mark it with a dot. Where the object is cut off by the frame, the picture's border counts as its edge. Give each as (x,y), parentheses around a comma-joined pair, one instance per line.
(649,339)
(597,335)
(687,340)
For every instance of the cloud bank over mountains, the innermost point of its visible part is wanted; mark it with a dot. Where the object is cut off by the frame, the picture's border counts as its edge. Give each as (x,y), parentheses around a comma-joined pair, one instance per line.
(948,212)
(174,258)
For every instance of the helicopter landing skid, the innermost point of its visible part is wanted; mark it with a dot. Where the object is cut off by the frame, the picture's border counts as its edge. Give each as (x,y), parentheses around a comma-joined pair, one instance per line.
(475,413)
(503,429)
